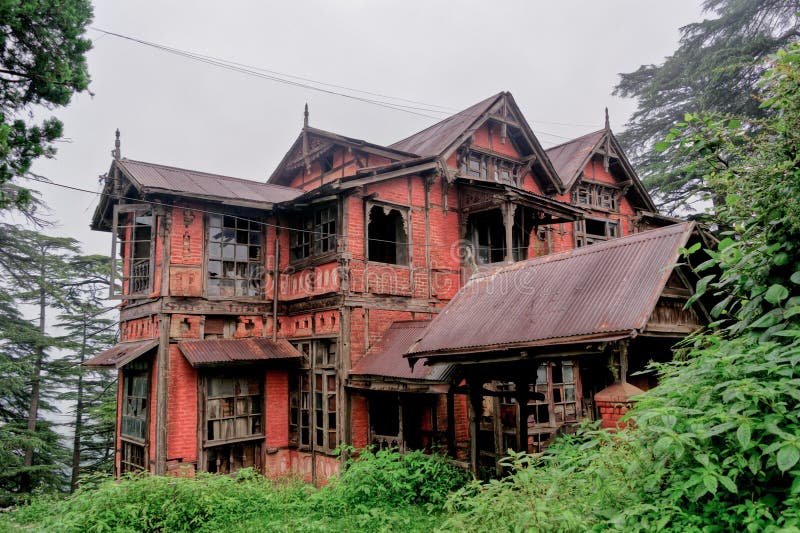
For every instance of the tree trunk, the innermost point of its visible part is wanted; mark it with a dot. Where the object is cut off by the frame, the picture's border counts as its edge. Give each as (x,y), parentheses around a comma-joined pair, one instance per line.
(76,440)
(33,409)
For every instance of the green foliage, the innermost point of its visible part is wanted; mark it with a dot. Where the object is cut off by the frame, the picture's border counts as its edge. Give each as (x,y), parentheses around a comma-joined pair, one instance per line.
(716,68)
(716,446)
(42,63)
(250,502)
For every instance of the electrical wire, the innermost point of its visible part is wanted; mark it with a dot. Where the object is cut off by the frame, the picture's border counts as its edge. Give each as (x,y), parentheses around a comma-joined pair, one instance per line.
(42,179)
(303,82)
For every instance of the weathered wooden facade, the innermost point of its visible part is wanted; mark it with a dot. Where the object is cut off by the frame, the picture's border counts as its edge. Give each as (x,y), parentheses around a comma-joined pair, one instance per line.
(264,324)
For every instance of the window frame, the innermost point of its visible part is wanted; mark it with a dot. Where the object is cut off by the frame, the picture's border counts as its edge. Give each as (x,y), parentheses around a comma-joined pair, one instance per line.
(603,196)
(128,443)
(612,229)
(401,249)
(320,363)
(205,384)
(256,263)
(307,233)
(121,294)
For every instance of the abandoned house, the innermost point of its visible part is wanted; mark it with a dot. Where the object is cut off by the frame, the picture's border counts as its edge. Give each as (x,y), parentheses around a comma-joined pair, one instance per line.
(461,289)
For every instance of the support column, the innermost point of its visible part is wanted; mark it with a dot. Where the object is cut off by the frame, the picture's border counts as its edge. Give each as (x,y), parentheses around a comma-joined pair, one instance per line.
(162,382)
(474,387)
(508,210)
(451,423)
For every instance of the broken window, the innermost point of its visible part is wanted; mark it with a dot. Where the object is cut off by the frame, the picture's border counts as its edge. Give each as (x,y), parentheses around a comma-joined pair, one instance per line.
(132,252)
(387,235)
(553,404)
(234,257)
(314,233)
(313,398)
(595,195)
(592,230)
(133,418)
(384,420)
(234,423)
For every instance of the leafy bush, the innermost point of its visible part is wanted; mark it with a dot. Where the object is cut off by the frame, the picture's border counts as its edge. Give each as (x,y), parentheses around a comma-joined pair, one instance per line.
(378,492)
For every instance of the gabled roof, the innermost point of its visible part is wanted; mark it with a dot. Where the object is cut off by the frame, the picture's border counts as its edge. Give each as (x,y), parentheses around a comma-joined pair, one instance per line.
(437,138)
(603,291)
(446,136)
(571,157)
(317,141)
(231,351)
(153,177)
(386,357)
(121,354)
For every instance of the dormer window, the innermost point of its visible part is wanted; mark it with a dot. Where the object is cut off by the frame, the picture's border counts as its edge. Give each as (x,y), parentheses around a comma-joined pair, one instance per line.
(595,195)
(489,167)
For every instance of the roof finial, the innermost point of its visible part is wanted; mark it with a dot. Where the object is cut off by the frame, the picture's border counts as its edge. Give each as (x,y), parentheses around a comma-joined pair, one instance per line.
(608,125)
(305,116)
(116,152)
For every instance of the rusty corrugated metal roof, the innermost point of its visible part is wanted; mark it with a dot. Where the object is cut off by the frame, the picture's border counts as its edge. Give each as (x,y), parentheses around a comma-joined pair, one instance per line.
(432,141)
(570,158)
(386,357)
(155,178)
(597,291)
(229,351)
(122,353)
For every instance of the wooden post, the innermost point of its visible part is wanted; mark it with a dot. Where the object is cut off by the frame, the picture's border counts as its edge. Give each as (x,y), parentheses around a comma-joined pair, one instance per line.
(474,388)
(451,423)
(162,381)
(523,387)
(508,221)
(623,361)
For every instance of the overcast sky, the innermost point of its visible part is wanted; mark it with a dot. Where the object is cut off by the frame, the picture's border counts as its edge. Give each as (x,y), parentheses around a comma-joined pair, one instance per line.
(560,60)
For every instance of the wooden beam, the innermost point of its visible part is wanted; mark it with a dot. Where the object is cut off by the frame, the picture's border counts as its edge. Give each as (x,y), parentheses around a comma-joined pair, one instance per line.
(162,382)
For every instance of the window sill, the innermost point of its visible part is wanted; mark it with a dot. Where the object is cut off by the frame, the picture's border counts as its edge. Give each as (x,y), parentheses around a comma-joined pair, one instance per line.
(223,442)
(133,440)
(314,260)
(393,265)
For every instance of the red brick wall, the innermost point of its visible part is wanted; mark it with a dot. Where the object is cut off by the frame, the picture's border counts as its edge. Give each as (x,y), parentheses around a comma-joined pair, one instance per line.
(139,328)
(359,420)
(276,390)
(182,417)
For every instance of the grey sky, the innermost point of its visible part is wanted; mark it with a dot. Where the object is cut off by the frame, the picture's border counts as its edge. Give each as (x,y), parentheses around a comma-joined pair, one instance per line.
(559,59)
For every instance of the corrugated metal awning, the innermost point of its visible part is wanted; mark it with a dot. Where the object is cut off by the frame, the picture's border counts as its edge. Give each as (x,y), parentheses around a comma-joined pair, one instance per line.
(598,291)
(237,351)
(122,353)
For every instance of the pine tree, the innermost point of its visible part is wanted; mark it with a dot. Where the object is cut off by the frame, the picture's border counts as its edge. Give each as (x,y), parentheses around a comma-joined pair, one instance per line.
(89,330)
(716,68)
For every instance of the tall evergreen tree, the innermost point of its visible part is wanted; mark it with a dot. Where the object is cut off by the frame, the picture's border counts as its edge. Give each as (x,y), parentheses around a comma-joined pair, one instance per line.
(89,329)
(716,68)
(42,63)
(35,269)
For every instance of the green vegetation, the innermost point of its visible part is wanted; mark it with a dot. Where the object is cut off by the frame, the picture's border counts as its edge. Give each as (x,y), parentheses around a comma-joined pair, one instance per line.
(377,492)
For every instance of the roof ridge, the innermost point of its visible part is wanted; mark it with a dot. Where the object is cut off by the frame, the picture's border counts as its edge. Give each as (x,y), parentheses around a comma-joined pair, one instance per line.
(209,174)
(457,113)
(585,250)
(575,139)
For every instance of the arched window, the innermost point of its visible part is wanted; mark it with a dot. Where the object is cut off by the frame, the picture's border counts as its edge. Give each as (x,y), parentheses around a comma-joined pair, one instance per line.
(387,238)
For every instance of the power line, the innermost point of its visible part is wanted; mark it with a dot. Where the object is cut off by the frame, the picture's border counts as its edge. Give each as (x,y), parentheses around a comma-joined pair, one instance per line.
(47,181)
(303,82)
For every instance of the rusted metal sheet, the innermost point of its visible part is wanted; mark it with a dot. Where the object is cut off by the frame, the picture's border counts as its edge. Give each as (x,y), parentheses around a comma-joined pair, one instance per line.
(437,138)
(228,351)
(570,157)
(386,358)
(201,184)
(599,290)
(122,353)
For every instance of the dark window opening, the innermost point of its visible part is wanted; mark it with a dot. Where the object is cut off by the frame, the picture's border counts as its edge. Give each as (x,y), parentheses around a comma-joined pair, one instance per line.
(132,458)
(327,162)
(387,236)
(231,457)
(314,233)
(595,195)
(384,420)
(594,230)
(487,234)
(234,257)
(134,405)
